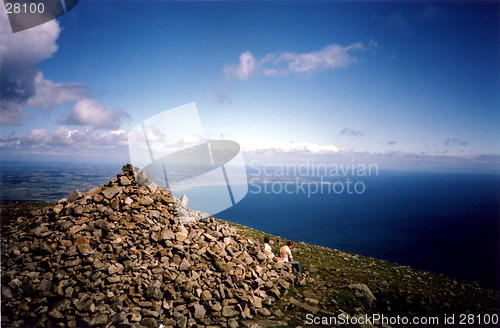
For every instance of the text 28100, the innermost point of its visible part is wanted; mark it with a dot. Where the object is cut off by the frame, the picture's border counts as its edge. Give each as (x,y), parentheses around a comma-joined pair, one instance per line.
(24,8)
(478,319)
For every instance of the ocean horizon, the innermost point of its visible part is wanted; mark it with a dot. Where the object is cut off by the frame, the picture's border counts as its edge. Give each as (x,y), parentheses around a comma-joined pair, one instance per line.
(446,223)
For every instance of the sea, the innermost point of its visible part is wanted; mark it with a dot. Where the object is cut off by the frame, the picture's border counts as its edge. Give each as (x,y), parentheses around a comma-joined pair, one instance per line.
(446,223)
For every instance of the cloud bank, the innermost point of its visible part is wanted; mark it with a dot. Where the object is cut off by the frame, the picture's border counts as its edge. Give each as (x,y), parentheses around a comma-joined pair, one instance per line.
(64,140)
(80,137)
(90,112)
(67,145)
(287,63)
(20,54)
(49,94)
(290,147)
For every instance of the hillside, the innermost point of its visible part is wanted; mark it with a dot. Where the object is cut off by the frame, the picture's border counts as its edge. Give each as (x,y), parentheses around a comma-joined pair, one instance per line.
(119,256)
(333,288)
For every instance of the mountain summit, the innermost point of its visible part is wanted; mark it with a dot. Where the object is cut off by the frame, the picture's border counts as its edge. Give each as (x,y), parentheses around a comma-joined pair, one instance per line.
(119,255)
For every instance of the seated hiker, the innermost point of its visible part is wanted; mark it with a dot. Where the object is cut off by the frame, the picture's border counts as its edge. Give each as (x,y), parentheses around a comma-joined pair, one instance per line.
(267,249)
(286,255)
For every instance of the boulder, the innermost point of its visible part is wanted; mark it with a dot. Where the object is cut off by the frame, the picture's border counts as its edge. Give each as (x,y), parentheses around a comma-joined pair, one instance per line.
(363,292)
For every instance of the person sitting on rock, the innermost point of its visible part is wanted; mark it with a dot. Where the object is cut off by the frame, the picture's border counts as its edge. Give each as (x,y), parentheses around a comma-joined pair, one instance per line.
(286,255)
(267,249)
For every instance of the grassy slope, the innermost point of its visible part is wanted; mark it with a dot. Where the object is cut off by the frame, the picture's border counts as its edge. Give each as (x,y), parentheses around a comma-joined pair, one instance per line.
(399,290)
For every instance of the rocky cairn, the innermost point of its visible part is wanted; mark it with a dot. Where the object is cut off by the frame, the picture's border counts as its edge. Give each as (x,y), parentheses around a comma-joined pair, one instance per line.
(118,256)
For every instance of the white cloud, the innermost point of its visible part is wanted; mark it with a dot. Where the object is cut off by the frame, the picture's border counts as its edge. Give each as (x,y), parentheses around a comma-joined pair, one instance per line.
(304,64)
(290,147)
(20,54)
(49,94)
(90,112)
(38,136)
(332,56)
(191,140)
(244,69)
(31,46)
(8,142)
(79,138)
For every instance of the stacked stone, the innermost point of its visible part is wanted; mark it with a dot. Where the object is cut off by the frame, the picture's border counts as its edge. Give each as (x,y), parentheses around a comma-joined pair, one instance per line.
(185,214)
(117,256)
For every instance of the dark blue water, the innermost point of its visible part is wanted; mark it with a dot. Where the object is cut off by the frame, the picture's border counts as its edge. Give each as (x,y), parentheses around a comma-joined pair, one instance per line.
(440,222)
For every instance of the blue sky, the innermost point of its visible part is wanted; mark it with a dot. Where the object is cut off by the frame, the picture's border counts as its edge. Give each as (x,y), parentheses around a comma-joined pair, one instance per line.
(404,84)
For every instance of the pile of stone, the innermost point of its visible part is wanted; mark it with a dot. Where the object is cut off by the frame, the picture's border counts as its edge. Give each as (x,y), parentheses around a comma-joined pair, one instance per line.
(185,214)
(118,256)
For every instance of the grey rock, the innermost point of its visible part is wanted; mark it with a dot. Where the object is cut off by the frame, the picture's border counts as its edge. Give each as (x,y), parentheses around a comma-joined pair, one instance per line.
(216,307)
(149,322)
(74,195)
(199,311)
(233,323)
(80,305)
(150,313)
(167,235)
(185,265)
(184,200)
(152,186)
(73,263)
(264,312)
(307,307)
(135,316)
(102,224)
(56,314)
(119,317)
(124,181)
(99,319)
(146,201)
(113,279)
(154,292)
(115,268)
(182,322)
(62,304)
(78,210)
(45,285)
(58,208)
(39,231)
(261,256)
(114,204)
(111,191)
(206,296)
(229,312)
(6,292)
(363,292)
